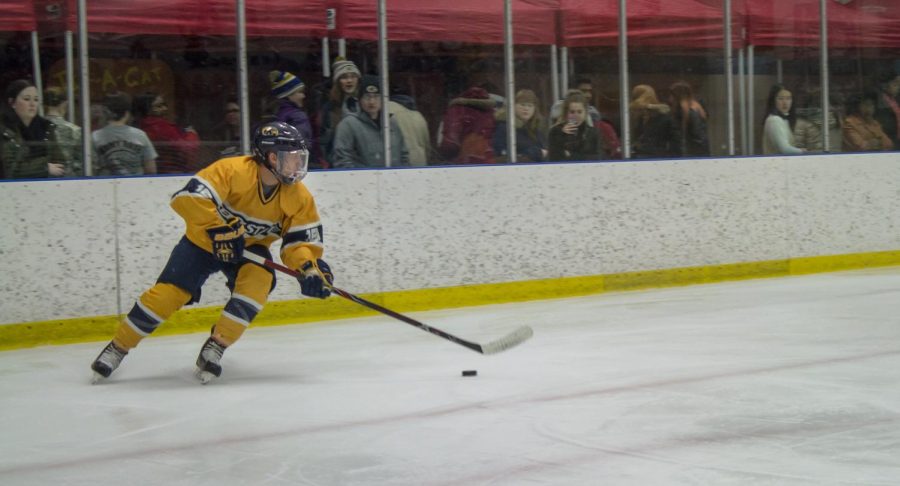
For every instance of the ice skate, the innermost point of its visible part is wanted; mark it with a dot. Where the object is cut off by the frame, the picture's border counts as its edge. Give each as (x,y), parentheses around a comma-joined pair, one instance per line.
(208,366)
(107,362)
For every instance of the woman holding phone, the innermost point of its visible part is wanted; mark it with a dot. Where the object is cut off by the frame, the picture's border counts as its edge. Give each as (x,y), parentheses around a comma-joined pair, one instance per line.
(572,138)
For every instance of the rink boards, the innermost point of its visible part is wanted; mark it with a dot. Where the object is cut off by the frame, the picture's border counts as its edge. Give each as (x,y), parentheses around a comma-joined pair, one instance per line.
(76,253)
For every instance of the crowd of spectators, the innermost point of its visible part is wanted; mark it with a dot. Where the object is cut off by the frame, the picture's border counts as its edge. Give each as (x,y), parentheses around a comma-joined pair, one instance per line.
(136,135)
(866,122)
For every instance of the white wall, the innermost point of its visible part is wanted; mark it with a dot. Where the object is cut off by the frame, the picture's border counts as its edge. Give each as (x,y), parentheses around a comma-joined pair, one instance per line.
(438,227)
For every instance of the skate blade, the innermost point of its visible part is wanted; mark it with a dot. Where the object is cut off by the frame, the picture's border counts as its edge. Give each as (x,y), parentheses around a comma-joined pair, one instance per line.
(204,376)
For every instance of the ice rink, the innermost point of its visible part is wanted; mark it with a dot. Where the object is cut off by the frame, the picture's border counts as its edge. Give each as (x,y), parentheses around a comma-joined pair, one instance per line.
(778,381)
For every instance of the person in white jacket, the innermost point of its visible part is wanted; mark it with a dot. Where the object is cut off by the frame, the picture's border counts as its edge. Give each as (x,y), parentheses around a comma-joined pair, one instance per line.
(778,131)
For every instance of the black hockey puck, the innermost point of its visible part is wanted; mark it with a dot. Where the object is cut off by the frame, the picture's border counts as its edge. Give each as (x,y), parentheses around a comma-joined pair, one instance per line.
(470,373)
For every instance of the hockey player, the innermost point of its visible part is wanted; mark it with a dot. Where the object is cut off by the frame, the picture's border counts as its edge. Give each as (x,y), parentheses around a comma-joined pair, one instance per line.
(237,204)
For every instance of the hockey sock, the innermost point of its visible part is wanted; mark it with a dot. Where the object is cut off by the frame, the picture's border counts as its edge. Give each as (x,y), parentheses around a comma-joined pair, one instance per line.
(239,312)
(154,307)
(251,290)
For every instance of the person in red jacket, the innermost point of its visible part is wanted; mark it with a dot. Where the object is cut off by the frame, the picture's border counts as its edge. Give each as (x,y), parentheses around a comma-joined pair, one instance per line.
(178,148)
(468,128)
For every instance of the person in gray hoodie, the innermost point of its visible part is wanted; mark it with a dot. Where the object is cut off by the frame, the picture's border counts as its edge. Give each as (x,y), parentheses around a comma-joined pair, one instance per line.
(358,141)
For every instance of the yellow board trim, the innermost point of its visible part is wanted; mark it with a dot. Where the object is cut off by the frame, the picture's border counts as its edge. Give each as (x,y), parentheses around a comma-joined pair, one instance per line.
(190,320)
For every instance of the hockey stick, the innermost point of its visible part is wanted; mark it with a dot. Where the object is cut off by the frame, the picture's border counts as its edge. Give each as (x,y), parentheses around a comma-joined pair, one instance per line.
(514,338)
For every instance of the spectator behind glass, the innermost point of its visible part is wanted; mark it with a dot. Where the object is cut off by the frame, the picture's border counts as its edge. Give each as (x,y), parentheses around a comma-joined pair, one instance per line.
(178,149)
(342,102)
(231,122)
(808,133)
(862,132)
(572,137)
(609,139)
(121,149)
(691,134)
(28,146)
(68,134)
(653,128)
(586,86)
(531,142)
(468,128)
(887,107)
(358,141)
(778,129)
(100,116)
(413,127)
(226,133)
(290,92)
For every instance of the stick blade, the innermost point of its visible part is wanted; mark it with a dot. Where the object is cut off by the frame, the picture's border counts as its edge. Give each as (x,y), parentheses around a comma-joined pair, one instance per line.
(511,340)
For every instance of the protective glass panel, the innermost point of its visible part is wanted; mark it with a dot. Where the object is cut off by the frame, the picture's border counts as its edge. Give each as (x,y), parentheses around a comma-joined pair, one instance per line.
(678,105)
(864,66)
(446,69)
(589,82)
(38,137)
(786,80)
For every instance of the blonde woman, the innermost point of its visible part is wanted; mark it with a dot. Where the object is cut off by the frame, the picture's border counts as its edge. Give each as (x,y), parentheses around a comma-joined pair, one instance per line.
(652,124)
(531,143)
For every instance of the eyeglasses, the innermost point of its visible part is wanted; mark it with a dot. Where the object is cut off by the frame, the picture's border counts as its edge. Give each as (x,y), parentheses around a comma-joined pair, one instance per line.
(233,110)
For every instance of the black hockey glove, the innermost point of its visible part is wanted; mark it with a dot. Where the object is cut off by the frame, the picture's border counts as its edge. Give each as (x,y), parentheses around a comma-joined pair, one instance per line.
(316,279)
(227,241)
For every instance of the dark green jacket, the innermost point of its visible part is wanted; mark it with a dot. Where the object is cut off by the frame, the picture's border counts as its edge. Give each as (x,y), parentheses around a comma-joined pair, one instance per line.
(16,154)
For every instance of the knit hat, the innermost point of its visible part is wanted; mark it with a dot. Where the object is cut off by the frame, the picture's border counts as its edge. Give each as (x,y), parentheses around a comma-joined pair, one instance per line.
(369,85)
(284,83)
(342,67)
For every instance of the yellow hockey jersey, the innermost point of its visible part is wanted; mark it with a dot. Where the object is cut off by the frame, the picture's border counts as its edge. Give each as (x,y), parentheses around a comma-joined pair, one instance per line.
(232,187)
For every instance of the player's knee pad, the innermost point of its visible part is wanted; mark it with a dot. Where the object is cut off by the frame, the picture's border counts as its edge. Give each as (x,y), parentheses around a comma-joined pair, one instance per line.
(254,282)
(164,299)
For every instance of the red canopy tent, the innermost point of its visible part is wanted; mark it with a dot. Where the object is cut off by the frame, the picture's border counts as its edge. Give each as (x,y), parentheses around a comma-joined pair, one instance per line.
(474,21)
(866,23)
(203,17)
(17,16)
(573,23)
(669,23)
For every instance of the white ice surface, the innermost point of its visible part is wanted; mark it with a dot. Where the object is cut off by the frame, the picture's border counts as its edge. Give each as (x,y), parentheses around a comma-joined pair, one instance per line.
(778,381)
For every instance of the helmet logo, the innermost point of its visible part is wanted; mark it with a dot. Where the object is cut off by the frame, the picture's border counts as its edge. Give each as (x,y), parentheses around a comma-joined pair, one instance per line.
(269,131)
